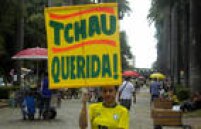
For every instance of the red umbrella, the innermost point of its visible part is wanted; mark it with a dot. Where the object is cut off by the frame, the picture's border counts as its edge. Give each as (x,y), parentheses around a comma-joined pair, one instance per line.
(131,73)
(36,53)
(31,54)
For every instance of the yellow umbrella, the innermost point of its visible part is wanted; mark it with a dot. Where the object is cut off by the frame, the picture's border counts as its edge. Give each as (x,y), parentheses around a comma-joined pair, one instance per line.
(157,75)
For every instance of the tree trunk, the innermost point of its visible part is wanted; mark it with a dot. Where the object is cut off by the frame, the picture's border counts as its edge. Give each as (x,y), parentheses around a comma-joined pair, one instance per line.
(20,37)
(174,41)
(195,34)
(186,42)
(166,38)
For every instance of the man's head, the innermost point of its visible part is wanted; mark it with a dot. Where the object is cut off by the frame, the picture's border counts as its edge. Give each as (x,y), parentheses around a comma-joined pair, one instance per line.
(109,94)
(154,79)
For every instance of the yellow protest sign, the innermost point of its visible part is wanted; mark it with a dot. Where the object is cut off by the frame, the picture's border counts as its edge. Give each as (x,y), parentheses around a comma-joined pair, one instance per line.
(83,45)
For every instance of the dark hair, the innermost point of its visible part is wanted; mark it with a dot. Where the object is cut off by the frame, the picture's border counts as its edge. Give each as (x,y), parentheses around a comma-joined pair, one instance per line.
(155,79)
(116,87)
(45,73)
(127,78)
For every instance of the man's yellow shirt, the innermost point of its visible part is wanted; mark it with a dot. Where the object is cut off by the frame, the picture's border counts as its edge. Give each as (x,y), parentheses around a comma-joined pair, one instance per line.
(102,117)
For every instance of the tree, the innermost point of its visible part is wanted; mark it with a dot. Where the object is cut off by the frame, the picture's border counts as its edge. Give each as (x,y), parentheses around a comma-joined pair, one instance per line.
(123,9)
(32,12)
(181,35)
(35,34)
(125,51)
(7,33)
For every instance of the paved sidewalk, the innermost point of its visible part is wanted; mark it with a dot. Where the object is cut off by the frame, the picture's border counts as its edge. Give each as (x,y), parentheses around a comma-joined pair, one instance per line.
(3,103)
(140,115)
(67,118)
(68,114)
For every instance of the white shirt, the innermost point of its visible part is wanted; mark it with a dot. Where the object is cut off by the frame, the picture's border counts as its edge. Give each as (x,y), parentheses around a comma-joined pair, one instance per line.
(127,92)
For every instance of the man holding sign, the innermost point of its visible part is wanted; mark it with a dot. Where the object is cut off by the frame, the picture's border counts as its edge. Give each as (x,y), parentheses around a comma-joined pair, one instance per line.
(104,115)
(84,51)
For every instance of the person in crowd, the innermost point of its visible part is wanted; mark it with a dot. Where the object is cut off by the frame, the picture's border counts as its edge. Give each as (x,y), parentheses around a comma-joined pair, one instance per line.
(192,104)
(126,93)
(133,81)
(197,100)
(45,95)
(173,97)
(19,98)
(170,95)
(137,86)
(29,106)
(59,98)
(92,94)
(98,94)
(104,115)
(154,89)
(74,93)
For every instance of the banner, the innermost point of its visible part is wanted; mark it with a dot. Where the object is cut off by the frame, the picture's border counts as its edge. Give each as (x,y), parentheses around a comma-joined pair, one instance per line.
(83,46)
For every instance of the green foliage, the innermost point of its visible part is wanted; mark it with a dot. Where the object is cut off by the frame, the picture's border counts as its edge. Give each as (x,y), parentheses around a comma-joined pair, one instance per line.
(35,34)
(123,8)
(193,114)
(7,19)
(5,91)
(182,92)
(2,46)
(34,26)
(159,11)
(8,15)
(123,5)
(125,50)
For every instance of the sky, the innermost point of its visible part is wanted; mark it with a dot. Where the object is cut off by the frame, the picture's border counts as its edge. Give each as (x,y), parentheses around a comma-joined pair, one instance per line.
(140,34)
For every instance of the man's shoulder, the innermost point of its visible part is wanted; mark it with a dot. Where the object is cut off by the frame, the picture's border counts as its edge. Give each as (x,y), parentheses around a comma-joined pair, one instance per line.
(121,108)
(129,84)
(124,82)
(154,83)
(95,105)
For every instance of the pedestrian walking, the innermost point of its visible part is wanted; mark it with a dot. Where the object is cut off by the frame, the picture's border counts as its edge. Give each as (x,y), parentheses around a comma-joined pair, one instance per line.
(154,89)
(29,106)
(104,115)
(45,95)
(59,97)
(126,92)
